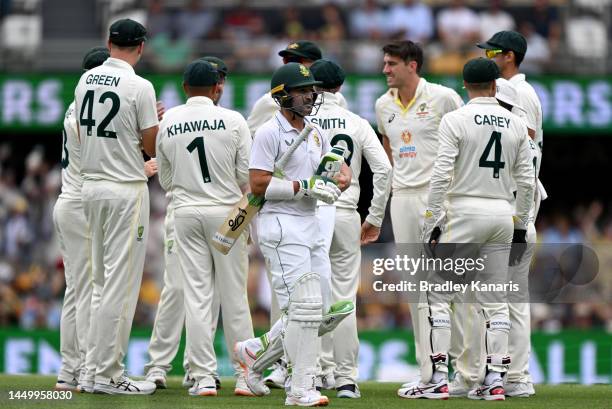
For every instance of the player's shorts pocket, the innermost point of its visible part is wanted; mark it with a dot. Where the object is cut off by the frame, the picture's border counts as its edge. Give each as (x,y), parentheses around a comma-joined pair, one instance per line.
(269,230)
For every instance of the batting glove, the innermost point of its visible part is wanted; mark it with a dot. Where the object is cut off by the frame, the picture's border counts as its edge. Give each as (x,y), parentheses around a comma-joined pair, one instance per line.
(331,162)
(318,188)
(431,233)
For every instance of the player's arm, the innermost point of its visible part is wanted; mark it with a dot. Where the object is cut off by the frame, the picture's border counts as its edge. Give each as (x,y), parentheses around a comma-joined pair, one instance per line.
(242,153)
(148,140)
(451,102)
(147,114)
(524,176)
(387,147)
(164,170)
(264,109)
(380,124)
(441,177)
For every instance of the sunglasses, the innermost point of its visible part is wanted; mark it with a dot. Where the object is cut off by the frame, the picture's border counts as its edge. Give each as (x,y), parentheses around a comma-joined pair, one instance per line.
(493,53)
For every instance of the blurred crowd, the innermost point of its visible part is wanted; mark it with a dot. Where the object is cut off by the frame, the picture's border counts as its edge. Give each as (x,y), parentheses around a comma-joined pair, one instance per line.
(32,279)
(247,34)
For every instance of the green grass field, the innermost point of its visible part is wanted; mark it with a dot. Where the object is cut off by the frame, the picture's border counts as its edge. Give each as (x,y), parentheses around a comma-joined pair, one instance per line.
(374,395)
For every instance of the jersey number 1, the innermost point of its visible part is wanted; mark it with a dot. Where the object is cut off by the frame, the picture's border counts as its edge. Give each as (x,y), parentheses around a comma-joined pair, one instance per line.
(89,122)
(496,163)
(198,143)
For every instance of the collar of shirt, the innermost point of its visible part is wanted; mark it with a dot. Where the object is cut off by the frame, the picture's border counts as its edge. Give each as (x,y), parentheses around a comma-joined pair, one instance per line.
(483,100)
(329,98)
(417,94)
(284,124)
(199,100)
(517,78)
(117,63)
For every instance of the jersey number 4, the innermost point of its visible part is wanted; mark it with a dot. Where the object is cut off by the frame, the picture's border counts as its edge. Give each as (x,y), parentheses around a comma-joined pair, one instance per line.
(198,143)
(495,144)
(90,122)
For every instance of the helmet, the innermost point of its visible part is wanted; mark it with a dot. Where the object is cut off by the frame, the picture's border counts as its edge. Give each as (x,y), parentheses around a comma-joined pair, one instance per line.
(291,76)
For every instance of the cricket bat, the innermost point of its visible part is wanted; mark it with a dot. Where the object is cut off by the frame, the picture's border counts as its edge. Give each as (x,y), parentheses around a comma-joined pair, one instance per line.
(241,215)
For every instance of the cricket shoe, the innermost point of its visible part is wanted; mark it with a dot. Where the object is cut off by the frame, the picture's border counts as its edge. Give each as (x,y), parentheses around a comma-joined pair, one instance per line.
(424,391)
(217,382)
(311,397)
(125,386)
(350,391)
(458,387)
(203,388)
(188,380)
(158,377)
(72,385)
(519,389)
(278,376)
(495,391)
(246,358)
(242,388)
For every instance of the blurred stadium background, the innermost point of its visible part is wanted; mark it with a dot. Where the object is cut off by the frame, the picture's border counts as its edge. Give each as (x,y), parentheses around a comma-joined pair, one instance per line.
(568,62)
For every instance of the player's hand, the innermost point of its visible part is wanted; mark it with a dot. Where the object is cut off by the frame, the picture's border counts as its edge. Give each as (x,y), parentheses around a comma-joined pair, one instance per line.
(369,233)
(342,181)
(161,110)
(150,167)
(319,188)
(431,233)
(519,245)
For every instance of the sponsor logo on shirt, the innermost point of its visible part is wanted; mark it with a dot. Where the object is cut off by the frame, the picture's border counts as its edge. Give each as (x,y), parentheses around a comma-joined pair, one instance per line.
(391,118)
(407,151)
(316,138)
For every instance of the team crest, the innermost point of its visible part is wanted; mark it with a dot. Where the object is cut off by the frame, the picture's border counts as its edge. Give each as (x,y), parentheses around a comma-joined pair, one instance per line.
(316,138)
(304,71)
(293,46)
(169,245)
(406,137)
(422,109)
(140,233)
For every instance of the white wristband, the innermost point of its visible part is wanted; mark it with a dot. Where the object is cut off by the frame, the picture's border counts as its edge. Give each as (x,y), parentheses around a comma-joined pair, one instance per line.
(279,189)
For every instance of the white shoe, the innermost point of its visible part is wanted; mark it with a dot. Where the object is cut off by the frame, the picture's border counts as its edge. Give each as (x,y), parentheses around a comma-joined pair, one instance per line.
(85,386)
(327,381)
(66,385)
(158,377)
(277,377)
(188,380)
(310,397)
(203,388)
(519,389)
(495,391)
(253,379)
(427,391)
(350,391)
(242,388)
(458,387)
(125,386)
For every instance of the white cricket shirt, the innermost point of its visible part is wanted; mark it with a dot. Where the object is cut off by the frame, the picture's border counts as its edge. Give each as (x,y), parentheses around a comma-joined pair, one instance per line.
(203,153)
(273,139)
(71,158)
(113,105)
(484,149)
(360,139)
(413,130)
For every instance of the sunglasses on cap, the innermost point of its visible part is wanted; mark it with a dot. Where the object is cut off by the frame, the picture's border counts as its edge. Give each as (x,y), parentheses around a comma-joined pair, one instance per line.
(493,53)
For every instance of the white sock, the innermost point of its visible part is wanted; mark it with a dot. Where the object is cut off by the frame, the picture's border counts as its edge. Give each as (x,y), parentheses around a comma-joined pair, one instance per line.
(491,377)
(438,376)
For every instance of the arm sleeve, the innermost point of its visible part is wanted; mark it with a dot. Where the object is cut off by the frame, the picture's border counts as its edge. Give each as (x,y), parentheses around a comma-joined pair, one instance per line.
(263,110)
(243,152)
(524,176)
(342,101)
(379,120)
(376,156)
(263,152)
(531,109)
(452,101)
(146,107)
(448,149)
(164,170)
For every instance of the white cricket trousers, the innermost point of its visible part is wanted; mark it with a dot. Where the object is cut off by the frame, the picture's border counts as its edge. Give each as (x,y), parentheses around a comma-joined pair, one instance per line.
(407,217)
(468,327)
(201,265)
(170,317)
(118,217)
(345,256)
(75,245)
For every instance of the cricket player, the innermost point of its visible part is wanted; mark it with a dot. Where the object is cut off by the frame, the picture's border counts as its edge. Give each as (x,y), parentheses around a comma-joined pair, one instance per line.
(288,236)
(507,49)
(75,241)
(170,317)
(303,52)
(117,116)
(341,348)
(203,160)
(484,151)
(408,115)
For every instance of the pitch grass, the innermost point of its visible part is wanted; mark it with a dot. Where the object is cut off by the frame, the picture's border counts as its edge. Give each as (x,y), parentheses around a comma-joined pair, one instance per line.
(374,395)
